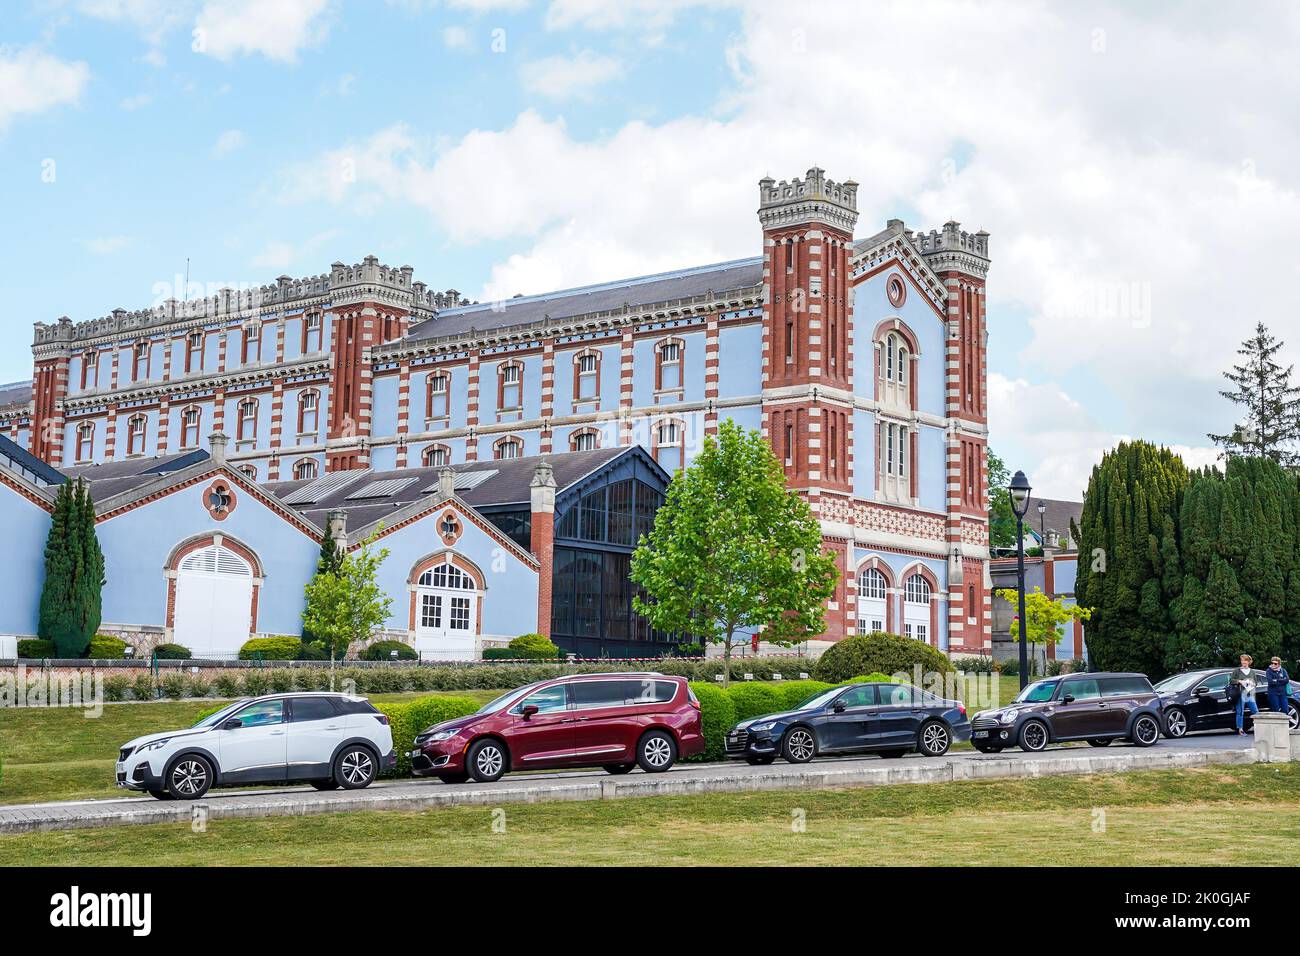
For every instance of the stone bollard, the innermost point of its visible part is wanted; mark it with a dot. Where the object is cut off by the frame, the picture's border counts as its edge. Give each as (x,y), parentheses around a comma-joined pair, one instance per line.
(1272,738)
(1295,743)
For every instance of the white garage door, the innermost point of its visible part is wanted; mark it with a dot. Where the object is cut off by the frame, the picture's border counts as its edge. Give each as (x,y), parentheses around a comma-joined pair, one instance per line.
(214,598)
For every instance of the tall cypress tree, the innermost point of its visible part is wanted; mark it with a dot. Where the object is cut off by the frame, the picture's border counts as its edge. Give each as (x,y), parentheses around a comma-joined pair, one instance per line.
(1272,425)
(1128,549)
(74,573)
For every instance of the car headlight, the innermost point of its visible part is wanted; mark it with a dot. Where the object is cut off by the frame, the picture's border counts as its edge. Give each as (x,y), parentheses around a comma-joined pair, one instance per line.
(154,745)
(767,726)
(1007,717)
(443,734)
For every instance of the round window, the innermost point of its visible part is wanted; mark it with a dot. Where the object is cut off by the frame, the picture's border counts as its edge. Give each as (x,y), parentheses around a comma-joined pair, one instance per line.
(897,291)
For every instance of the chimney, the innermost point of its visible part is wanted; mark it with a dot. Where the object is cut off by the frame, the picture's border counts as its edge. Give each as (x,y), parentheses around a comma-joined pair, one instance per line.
(217,443)
(446,482)
(336,526)
(542,539)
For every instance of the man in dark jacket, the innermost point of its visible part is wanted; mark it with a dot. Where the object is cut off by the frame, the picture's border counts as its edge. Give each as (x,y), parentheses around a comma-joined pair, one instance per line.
(1279,685)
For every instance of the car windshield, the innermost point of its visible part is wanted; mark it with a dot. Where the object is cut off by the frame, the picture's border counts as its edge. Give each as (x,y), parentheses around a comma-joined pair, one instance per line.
(819,699)
(214,718)
(509,697)
(1179,682)
(1037,692)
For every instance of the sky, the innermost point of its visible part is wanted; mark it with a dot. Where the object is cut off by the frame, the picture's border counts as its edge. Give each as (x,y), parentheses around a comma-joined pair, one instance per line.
(1135,165)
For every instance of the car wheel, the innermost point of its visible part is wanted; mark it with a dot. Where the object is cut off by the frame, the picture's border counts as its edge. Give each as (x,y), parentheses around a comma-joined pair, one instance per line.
(656,752)
(189,778)
(159,794)
(986,749)
(892,753)
(1033,736)
(1146,730)
(1100,741)
(1293,717)
(1176,723)
(355,767)
(330,784)
(798,745)
(618,769)
(460,777)
(486,760)
(933,739)
(760,761)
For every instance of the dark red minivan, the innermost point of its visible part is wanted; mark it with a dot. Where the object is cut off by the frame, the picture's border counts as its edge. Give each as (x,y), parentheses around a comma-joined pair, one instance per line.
(615,721)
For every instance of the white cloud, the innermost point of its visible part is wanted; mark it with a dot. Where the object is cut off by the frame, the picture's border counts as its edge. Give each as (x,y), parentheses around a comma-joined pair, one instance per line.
(107,245)
(456,38)
(152,19)
(647,15)
(276,29)
(562,77)
(488,6)
(229,141)
(32,81)
(281,255)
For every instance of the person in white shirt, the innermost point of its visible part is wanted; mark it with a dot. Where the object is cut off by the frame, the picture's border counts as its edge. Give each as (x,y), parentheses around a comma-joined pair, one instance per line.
(1243,678)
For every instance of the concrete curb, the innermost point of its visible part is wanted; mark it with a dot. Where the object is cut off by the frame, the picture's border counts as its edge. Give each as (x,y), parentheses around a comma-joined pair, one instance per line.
(866,774)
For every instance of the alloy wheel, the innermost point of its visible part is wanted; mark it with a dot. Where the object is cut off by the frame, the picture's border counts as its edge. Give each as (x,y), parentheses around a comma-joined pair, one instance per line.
(1293,718)
(658,752)
(1146,730)
(190,778)
(357,767)
(1176,723)
(1034,736)
(800,744)
(935,739)
(489,761)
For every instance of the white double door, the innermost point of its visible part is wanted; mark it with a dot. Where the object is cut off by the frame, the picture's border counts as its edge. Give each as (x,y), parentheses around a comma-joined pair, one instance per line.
(446,615)
(214,599)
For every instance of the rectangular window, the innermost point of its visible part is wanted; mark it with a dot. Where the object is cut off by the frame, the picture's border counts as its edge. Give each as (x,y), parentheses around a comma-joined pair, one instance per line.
(459,619)
(141,370)
(252,349)
(308,413)
(89,370)
(511,387)
(194,352)
(190,428)
(135,435)
(438,397)
(670,366)
(430,610)
(588,378)
(311,340)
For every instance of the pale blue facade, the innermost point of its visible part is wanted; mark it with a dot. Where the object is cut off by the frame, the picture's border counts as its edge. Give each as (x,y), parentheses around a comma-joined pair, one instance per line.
(26,526)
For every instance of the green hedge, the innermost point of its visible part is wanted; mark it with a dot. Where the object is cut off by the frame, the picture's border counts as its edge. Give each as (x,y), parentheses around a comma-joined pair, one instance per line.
(878,652)
(383,651)
(796,692)
(754,700)
(102,648)
(279,648)
(717,716)
(172,652)
(416,716)
(34,649)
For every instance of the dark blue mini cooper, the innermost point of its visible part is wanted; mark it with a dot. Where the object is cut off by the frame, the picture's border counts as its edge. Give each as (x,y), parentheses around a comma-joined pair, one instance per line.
(887,719)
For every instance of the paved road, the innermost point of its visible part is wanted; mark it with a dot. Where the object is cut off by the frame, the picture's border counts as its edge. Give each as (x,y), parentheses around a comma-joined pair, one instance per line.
(731,776)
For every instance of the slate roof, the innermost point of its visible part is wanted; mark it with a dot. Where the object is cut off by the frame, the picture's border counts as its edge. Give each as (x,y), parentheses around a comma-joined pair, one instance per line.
(113,478)
(508,485)
(18,458)
(567,303)
(1055,518)
(15,393)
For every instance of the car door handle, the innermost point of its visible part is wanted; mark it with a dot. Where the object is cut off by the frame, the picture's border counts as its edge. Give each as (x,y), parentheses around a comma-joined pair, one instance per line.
(331,726)
(276,733)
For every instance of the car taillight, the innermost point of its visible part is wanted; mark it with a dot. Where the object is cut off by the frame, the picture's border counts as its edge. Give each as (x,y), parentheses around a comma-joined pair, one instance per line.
(962,708)
(382,718)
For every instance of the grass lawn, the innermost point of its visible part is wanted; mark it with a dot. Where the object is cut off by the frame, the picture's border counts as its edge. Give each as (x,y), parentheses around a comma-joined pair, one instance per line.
(58,753)
(1220,815)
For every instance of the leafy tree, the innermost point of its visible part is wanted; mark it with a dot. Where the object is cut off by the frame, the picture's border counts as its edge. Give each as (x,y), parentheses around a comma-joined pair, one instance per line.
(1272,425)
(71,598)
(733,549)
(1127,537)
(330,561)
(347,604)
(1002,520)
(1045,617)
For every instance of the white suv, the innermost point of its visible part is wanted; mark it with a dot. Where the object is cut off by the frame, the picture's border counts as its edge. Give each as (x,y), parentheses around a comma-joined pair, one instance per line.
(329,740)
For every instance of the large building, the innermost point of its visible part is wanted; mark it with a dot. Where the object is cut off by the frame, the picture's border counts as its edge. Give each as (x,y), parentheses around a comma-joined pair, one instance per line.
(861,360)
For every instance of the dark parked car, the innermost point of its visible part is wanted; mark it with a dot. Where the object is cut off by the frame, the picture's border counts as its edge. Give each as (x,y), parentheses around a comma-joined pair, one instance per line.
(1198,700)
(888,719)
(615,721)
(1097,708)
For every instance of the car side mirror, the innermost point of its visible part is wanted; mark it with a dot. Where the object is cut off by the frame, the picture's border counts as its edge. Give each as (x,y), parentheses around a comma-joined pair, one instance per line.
(838,707)
(1067,699)
(1202,691)
(528,710)
(234,723)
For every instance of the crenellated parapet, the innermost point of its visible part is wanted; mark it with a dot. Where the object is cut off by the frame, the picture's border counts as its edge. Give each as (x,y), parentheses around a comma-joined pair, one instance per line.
(814,198)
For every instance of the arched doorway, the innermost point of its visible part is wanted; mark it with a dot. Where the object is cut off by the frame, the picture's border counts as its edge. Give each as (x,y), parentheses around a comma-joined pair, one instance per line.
(213,600)
(447,598)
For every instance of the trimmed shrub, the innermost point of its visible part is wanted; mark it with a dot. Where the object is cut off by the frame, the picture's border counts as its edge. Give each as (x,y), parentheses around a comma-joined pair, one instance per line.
(175,685)
(281,680)
(876,678)
(1010,667)
(797,691)
(34,648)
(200,686)
(383,651)
(414,717)
(313,651)
(754,700)
(103,647)
(116,687)
(142,687)
(974,665)
(256,683)
(878,652)
(172,652)
(282,647)
(226,684)
(717,716)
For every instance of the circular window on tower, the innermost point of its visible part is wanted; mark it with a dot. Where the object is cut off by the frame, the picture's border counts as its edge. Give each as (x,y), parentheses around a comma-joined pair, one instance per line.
(897,291)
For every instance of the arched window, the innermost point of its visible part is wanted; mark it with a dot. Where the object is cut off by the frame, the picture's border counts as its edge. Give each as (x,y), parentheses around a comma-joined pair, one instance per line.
(917,590)
(895,455)
(194,351)
(436,456)
(916,607)
(246,425)
(510,386)
(437,399)
(508,447)
(669,441)
(89,369)
(135,432)
(446,576)
(311,338)
(871,584)
(669,356)
(584,439)
(872,596)
(586,377)
(191,421)
(249,471)
(85,441)
(251,350)
(140,363)
(305,470)
(308,412)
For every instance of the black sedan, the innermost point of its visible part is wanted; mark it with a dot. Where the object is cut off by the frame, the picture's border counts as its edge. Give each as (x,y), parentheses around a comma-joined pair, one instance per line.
(888,719)
(1198,700)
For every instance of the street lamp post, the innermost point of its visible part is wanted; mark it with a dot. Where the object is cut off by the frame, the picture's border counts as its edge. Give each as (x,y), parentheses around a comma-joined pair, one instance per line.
(1042,525)
(1019,505)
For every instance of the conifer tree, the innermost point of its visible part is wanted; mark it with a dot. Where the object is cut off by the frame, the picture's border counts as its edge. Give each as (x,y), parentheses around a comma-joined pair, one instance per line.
(71,598)
(1272,424)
